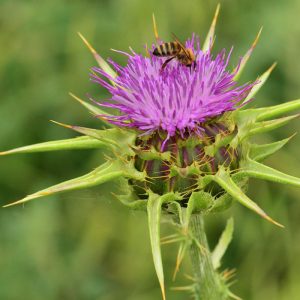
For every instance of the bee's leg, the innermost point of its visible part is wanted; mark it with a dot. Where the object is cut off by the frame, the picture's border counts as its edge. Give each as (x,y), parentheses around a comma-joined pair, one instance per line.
(195,65)
(166,62)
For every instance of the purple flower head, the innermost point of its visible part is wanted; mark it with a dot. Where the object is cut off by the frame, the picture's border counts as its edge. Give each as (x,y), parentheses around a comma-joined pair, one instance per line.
(175,100)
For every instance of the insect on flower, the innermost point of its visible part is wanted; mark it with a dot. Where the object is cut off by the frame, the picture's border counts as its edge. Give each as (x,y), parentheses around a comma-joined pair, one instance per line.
(176,50)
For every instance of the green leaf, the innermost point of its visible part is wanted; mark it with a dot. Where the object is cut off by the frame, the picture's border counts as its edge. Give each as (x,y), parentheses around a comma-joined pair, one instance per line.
(115,138)
(154,213)
(260,152)
(106,172)
(246,57)
(265,113)
(265,126)
(223,244)
(154,204)
(255,169)
(260,82)
(277,110)
(225,181)
(247,124)
(210,38)
(82,142)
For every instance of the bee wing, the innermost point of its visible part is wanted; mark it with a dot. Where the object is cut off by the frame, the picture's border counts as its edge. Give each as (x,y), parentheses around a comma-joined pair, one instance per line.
(181,45)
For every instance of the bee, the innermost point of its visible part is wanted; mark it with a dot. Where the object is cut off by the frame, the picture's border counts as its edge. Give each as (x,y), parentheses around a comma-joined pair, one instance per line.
(176,50)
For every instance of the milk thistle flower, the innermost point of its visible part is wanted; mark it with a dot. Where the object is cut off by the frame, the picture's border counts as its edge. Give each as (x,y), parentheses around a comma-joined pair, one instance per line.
(180,143)
(177,101)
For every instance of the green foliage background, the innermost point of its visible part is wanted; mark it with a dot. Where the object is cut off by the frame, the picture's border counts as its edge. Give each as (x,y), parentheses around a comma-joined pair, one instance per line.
(86,245)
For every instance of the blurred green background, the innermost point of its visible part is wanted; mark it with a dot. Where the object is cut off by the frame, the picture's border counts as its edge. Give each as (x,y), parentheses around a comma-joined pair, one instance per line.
(86,245)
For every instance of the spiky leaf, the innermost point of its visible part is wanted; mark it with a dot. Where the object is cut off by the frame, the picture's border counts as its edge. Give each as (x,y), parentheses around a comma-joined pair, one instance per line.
(246,57)
(92,108)
(277,110)
(224,179)
(261,152)
(255,169)
(265,126)
(260,82)
(115,138)
(154,204)
(154,213)
(101,62)
(82,142)
(106,172)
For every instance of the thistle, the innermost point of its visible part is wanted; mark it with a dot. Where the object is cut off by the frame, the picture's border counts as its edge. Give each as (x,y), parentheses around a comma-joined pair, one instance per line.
(180,143)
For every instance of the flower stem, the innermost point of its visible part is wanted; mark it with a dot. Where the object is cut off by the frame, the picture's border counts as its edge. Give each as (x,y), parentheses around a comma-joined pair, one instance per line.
(208,283)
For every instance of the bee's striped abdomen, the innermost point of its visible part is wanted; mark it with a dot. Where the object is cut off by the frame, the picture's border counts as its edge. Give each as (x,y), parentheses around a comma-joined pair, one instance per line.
(174,48)
(167,49)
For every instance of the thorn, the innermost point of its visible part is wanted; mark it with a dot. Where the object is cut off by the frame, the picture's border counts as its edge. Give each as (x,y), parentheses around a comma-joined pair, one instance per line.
(265,216)
(189,277)
(182,288)
(155,29)
(19,201)
(62,124)
(238,69)
(228,274)
(162,286)
(168,237)
(76,98)
(180,256)
(272,67)
(257,38)
(87,44)
(233,296)
(210,38)
(8,205)
(101,62)
(214,22)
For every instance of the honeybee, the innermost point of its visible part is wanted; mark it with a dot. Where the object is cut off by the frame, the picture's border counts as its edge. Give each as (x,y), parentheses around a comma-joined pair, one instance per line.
(176,50)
